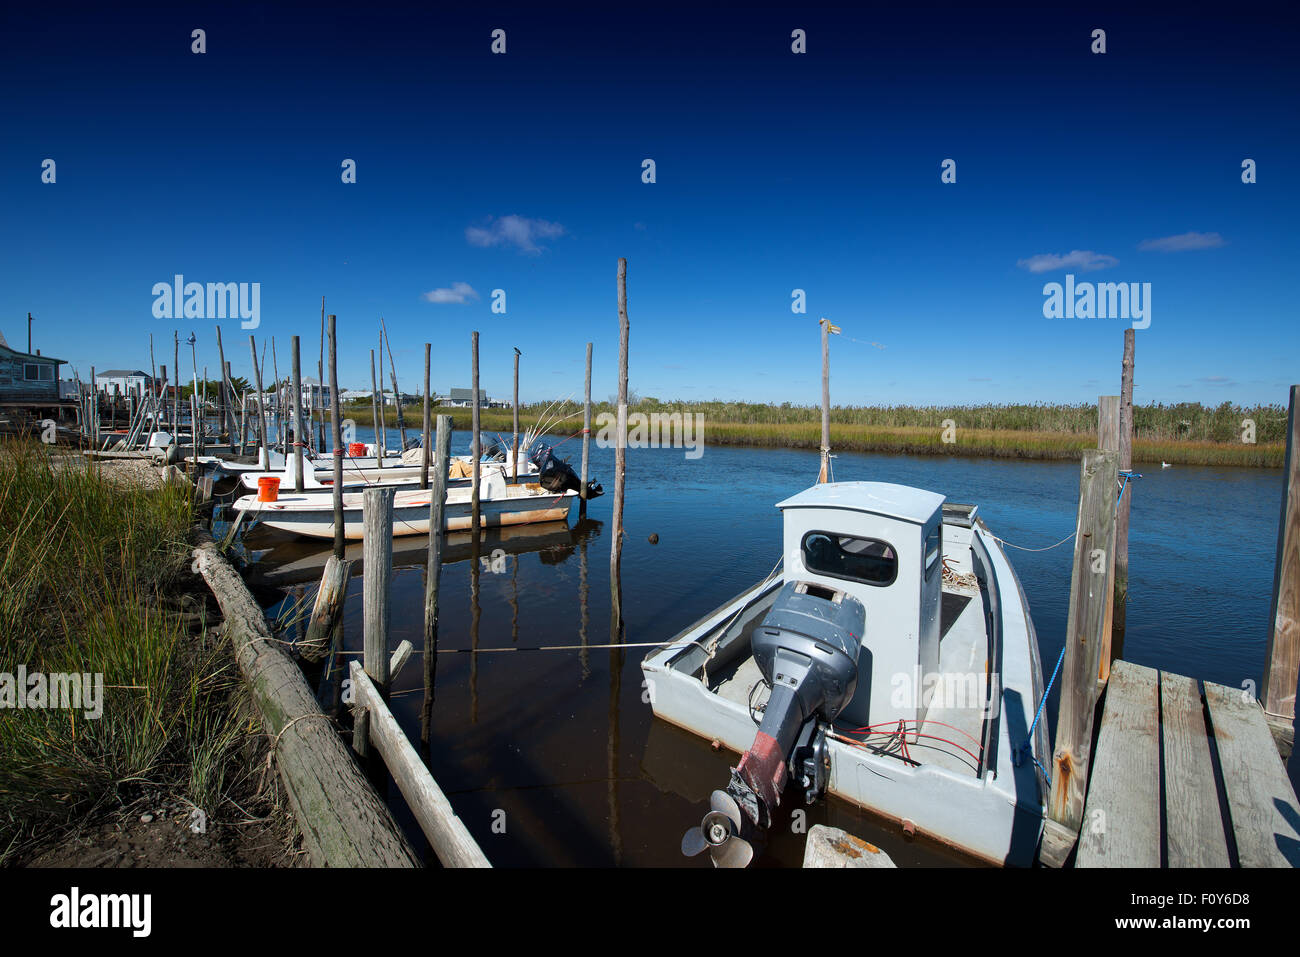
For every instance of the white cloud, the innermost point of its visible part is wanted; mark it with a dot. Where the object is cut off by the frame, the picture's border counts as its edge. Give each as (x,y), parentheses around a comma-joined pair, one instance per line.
(518,231)
(1081,259)
(1181,242)
(460,292)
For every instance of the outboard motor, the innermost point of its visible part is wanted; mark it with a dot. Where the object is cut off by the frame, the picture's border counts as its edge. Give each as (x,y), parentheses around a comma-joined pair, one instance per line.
(555,475)
(807,649)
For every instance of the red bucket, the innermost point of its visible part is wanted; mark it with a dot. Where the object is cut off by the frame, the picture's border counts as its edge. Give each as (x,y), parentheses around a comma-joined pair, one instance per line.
(356,449)
(268,488)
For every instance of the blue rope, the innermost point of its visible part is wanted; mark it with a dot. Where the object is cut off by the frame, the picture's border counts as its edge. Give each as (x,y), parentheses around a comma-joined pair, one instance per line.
(1123,483)
(1027,747)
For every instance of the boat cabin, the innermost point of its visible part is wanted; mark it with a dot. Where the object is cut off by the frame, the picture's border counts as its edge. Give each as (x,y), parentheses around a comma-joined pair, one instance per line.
(883,545)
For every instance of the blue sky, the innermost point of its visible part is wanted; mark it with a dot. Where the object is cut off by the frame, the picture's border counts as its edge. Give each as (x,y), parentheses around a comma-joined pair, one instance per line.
(774,171)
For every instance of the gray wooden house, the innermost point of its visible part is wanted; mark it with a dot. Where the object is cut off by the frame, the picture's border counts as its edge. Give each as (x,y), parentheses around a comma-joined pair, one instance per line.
(31,382)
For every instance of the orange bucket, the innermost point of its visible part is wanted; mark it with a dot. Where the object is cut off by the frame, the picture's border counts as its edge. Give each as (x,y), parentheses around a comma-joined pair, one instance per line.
(356,450)
(268,488)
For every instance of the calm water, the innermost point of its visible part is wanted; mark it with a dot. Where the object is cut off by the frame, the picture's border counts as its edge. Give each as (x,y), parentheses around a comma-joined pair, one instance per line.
(563,743)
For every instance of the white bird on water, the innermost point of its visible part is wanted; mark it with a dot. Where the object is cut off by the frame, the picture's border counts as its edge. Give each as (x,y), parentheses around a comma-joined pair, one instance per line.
(1165,465)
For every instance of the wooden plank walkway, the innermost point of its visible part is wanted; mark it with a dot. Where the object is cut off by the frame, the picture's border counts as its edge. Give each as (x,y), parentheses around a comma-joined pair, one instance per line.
(1169,789)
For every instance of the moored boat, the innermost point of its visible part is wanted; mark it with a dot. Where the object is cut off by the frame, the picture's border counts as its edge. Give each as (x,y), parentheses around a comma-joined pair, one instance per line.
(500,503)
(889,659)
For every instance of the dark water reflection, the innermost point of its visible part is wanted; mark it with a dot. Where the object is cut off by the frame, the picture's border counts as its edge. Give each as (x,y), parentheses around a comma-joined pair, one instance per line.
(563,742)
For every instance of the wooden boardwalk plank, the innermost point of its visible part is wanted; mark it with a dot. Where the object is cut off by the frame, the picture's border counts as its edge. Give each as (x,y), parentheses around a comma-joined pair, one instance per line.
(1265,815)
(1121,821)
(1193,817)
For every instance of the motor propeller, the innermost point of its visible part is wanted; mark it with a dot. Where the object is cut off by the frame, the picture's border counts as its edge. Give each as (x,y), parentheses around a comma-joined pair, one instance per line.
(719,834)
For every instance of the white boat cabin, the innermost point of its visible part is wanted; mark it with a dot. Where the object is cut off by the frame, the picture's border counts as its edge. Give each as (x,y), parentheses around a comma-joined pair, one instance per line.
(883,545)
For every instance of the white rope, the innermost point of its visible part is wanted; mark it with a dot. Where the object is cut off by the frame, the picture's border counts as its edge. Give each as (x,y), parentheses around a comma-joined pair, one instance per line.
(1024,549)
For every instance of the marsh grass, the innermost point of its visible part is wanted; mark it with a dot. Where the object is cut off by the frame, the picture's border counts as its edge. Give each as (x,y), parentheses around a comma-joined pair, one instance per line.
(1184,434)
(91,575)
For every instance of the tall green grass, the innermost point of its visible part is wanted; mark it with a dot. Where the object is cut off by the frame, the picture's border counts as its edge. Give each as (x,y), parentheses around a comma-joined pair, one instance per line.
(89,581)
(1184,434)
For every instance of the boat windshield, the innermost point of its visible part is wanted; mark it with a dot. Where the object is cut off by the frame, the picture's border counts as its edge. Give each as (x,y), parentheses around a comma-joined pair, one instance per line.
(866,560)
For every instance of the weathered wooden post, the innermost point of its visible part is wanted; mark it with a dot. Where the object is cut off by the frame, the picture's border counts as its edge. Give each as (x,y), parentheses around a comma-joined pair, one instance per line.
(514,442)
(377,552)
(297,416)
(337,429)
(586,435)
(1126,500)
(433,568)
(381,437)
(424,439)
(265,456)
(320,375)
(620,460)
(1108,440)
(1089,620)
(374,408)
(475,450)
(397,395)
(824,475)
(1282,656)
(176,397)
(225,411)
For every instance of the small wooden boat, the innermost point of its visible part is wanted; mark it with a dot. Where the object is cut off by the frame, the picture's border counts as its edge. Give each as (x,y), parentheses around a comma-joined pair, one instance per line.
(500,504)
(889,659)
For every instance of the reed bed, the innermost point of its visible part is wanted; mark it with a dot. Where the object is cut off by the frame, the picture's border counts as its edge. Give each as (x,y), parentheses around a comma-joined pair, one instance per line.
(1185,434)
(91,582)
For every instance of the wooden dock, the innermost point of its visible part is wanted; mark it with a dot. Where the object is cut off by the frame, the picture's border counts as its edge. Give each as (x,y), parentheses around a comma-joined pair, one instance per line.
(1185,778)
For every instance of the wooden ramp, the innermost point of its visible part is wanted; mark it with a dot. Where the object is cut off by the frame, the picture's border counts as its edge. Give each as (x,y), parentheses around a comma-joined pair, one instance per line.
(1168,789)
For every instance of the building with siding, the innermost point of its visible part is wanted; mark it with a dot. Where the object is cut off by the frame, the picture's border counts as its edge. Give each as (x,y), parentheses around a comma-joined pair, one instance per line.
(30,381)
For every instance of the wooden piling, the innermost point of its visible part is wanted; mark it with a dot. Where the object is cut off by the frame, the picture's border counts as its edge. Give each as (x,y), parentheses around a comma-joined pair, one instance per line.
(620,460)
(1282,655)
(392,371)
(424,439)
(337,428)
(297,415)
(264,455)
(377,560)
(433,567)
(514,442)
(225,412)
(327,609)
(1109,419)
(1089,621)
(475,450)
(586,436)
(374,408)
(823,474)
(1126,500)
(176,396)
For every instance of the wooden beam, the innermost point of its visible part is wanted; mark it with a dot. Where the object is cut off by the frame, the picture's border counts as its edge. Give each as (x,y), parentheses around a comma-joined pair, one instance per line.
(1282,655)
(425,451)
(343,821)
(337,440)
(297,416)
(824,474)
(476,451)
(1121,823)
(1263,806)
(1088,622)
(327,609)
(447,834)
(1193,818)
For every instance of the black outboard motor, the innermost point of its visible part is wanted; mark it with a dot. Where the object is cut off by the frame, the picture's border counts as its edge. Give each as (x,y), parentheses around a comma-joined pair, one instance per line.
(807,649)
(555,475)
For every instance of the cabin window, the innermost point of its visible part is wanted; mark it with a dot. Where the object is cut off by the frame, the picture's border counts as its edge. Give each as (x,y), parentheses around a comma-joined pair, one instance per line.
(933,549)
(866,560)
(38,372)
